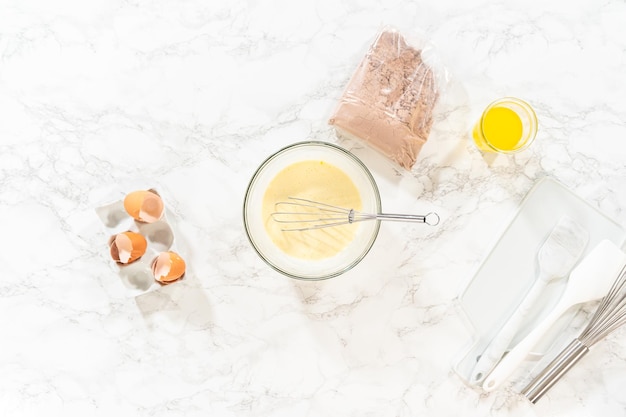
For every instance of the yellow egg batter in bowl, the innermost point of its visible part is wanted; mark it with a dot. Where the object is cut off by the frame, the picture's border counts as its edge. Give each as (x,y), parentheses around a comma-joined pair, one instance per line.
(315,171)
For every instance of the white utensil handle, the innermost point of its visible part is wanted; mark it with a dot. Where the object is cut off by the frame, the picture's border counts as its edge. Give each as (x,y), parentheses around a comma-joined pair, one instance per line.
(511,361)
(498,345)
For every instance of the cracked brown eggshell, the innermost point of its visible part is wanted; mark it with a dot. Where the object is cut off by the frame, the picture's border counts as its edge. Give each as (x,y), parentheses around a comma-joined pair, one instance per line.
(144,206)
(168,267)
(127,247)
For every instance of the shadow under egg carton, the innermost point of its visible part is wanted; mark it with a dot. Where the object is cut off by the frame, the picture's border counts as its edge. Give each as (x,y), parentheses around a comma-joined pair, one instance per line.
(137,276)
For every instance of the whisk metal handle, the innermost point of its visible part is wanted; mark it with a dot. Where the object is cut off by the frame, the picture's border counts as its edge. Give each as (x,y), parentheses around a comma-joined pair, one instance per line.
(431,219)
(555,370)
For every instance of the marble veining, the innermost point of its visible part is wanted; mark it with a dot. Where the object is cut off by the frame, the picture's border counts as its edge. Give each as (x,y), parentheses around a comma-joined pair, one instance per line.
(101,98)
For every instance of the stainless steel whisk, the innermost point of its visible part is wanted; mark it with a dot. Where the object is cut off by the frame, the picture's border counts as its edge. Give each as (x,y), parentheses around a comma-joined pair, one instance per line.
(610,315)
(316,215)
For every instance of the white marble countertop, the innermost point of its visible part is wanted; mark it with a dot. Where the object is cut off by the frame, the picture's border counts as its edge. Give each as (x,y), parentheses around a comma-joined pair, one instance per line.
(99,98)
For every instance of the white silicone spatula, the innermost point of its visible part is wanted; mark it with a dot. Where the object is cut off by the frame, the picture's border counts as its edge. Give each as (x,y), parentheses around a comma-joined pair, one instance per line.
(590,280)
(556,258)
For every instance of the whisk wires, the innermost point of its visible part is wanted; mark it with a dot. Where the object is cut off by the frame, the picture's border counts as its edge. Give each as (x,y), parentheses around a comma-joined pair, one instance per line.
(610,314)
(311,214)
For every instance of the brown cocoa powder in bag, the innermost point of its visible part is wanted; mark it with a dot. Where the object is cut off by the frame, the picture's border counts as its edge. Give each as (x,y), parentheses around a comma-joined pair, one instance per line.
(389,100)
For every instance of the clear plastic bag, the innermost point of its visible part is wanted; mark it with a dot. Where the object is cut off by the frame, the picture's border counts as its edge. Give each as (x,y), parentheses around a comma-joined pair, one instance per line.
(390,98)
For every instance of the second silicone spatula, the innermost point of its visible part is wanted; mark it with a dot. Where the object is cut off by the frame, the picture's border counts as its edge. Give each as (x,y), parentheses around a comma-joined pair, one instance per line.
(589,281)
(556,257)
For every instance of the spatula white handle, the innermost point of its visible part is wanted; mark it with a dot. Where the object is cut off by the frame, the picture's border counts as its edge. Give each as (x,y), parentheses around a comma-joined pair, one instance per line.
(498,345)
(511,361)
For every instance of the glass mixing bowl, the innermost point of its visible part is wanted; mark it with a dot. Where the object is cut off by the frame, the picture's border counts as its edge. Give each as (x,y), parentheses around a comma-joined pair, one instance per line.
(254,222)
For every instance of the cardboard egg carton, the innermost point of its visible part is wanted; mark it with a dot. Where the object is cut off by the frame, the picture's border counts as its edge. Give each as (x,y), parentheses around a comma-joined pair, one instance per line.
(137,276)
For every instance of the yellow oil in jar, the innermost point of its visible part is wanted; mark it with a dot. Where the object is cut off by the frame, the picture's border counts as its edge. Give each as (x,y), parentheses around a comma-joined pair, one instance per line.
(500,128)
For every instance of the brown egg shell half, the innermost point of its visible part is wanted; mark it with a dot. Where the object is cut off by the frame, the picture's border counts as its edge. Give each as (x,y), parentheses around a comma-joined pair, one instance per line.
(168,267)
(127,247)
(144,205)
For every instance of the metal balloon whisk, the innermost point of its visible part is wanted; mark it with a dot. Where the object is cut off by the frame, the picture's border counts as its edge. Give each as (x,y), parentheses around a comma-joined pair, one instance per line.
(610,314)
(299,214)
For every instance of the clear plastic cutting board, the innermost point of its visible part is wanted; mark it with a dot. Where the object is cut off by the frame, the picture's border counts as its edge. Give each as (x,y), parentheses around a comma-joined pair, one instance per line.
(509,269)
